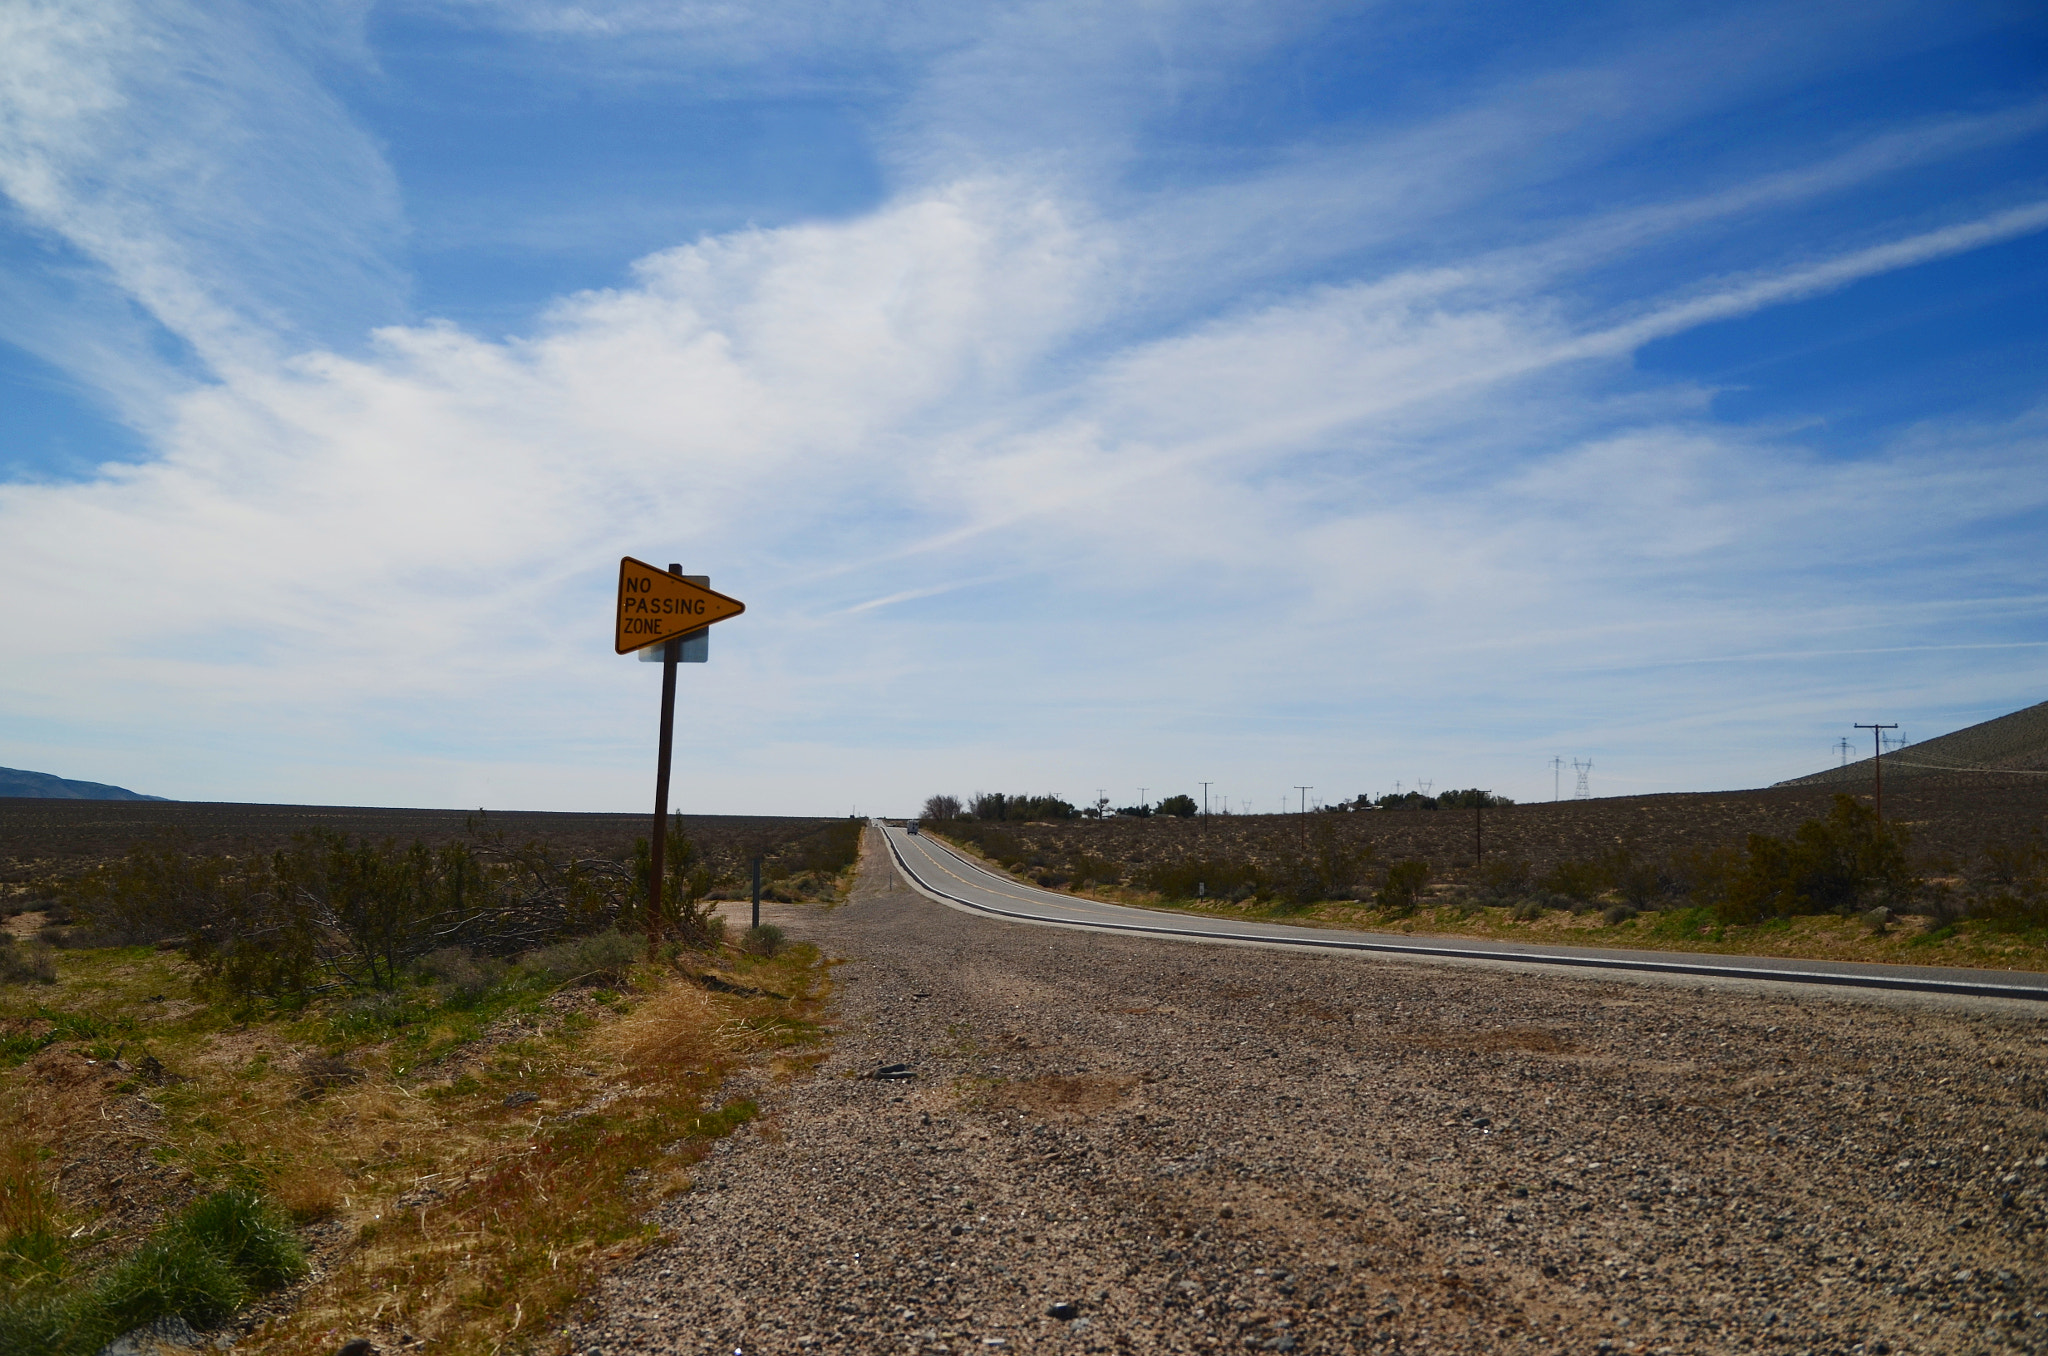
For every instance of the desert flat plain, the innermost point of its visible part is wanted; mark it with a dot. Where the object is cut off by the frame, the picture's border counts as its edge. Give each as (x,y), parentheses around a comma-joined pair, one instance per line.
(1113,1144)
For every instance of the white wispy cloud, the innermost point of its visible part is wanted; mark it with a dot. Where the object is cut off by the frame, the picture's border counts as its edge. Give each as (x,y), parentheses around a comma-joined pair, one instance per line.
(1000,472)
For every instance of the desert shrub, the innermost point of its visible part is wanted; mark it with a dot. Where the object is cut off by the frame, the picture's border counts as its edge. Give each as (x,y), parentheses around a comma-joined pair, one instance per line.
(2010,886)
(1088,869)
(1641,884)
(1575,880)
(1528,911)
(1401,890)
(35,963)
(1498,880)
(466,976)
(1845,863)
(323,1073)
(687,880)
(334,911)
(764,939)
(1179,806)
(1217,879)
(1616,913)
(825,851)
(1329,867)
(606,956)
(1704,877)
(998,845)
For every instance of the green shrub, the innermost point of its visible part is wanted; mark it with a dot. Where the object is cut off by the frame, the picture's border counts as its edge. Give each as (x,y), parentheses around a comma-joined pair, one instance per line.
(1575,880)
(1504,879)
(1179,806)
(1845,863)
(202,1266)
(607,956)
(35,963)
(1616,913)
(1401,891)
(765,939)
(249,1233)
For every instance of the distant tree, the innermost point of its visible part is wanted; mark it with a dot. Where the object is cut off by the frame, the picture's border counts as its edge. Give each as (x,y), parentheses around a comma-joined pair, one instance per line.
(996,805)
(1183,806)
(1134,812)
(1466,800)
(942,808)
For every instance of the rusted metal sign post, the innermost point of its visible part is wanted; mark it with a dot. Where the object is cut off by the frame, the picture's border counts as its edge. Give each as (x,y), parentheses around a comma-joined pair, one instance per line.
(664,608)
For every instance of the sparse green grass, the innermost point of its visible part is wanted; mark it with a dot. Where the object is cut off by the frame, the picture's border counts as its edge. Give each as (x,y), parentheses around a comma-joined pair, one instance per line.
(467,1221)
(202,1266)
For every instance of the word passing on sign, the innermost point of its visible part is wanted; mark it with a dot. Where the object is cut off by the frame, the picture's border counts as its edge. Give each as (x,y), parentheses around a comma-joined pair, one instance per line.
(656,606)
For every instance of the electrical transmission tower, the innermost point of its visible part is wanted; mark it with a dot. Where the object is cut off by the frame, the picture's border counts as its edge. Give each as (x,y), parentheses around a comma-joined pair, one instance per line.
(1842,747)
(1425,783)
(1584,792)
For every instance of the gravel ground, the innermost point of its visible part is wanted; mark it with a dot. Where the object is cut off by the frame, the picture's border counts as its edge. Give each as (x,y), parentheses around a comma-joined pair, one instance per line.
(1207,1148)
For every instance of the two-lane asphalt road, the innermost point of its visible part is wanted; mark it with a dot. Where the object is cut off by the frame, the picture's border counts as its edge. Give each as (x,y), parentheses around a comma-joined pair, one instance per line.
(944,875)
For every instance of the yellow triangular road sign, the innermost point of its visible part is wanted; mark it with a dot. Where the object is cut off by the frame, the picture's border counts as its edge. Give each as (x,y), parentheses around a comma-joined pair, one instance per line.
(655,606)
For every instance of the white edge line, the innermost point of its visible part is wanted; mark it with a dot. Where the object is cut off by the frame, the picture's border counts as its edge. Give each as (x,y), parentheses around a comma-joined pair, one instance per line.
(1892,983)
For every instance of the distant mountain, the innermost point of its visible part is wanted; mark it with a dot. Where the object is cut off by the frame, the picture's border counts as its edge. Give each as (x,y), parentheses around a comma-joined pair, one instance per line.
(15,782)
(2014,743)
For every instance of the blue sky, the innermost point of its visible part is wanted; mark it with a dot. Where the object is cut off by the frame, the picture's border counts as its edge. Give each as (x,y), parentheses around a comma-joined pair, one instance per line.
(1081,396)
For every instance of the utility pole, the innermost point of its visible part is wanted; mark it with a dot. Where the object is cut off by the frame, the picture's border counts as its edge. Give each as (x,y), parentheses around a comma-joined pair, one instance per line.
(1304,813)
(1877,761)
(1141,796)
(1205,805)
(1479,830)
(1556,777)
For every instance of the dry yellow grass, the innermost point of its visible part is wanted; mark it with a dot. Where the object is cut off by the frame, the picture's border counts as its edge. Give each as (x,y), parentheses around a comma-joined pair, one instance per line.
(463,1182)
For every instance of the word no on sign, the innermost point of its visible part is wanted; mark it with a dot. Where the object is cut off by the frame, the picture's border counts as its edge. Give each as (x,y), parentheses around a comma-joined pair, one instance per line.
(656,606)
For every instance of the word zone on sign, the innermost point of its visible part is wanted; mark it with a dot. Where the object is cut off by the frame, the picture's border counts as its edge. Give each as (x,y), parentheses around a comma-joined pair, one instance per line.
(656,606)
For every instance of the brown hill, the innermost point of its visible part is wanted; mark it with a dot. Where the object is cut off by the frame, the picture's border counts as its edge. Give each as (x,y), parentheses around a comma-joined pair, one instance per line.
(2017,743)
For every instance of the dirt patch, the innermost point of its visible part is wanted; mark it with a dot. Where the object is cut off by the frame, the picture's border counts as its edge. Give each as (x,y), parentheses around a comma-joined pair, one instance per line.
(1526,1039)
(1064,1097)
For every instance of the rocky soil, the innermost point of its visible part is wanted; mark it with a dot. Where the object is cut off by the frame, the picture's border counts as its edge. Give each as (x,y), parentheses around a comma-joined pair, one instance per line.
(1118,1145)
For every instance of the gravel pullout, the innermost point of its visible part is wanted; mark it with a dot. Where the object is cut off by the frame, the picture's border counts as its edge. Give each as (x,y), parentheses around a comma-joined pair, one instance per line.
(1207,1148)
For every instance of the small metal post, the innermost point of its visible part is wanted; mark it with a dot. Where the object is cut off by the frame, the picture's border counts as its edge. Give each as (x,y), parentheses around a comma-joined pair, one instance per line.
(757,892)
